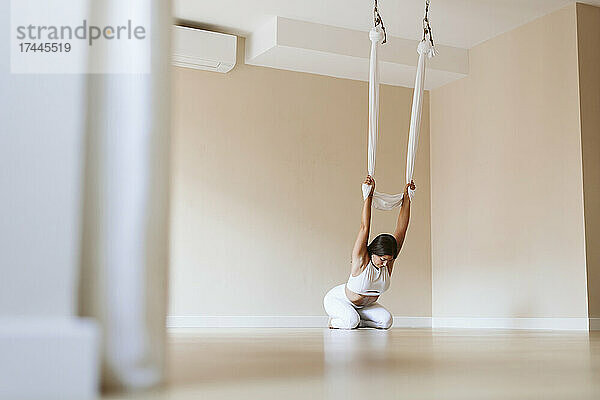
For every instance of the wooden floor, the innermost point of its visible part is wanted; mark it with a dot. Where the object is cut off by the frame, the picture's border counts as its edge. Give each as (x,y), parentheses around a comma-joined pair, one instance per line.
(373,364)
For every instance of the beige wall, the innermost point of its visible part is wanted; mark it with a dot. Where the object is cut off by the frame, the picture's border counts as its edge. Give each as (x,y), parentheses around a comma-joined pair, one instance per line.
(267,167)
(507,202)
(588,37)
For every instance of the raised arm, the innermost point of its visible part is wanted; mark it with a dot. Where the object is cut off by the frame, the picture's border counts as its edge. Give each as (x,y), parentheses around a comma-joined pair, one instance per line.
(359,252)
(404,216)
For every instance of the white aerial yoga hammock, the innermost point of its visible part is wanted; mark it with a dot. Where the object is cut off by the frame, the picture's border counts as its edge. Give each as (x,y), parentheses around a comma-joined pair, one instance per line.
(425,49)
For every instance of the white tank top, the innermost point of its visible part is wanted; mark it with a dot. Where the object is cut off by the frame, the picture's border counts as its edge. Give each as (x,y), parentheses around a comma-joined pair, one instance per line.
(372,281)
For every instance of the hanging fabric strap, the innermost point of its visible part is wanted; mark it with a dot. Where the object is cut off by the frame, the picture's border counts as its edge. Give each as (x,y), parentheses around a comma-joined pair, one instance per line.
(425,49)
(376,36)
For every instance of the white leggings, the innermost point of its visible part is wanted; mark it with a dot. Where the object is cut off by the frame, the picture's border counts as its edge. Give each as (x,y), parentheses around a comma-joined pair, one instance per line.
(345,315)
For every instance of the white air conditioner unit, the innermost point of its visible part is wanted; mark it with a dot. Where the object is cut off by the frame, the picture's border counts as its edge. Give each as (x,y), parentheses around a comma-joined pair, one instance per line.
(198,49)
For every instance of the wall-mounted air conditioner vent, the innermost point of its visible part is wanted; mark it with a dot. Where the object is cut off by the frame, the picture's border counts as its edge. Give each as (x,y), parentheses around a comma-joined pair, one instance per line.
(198,49)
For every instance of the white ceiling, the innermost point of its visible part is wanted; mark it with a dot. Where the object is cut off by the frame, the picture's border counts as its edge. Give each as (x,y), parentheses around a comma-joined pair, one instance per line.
(344,53)
(459,23)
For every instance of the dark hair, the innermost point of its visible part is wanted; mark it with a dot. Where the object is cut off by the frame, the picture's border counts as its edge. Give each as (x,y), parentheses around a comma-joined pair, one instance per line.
(383,245)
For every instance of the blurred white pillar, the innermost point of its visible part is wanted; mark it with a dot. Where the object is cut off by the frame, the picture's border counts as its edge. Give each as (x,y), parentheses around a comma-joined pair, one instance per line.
(46,351)
(125,214)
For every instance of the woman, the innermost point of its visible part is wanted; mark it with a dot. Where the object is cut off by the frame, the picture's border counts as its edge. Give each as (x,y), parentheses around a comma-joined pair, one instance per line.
(354,304)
